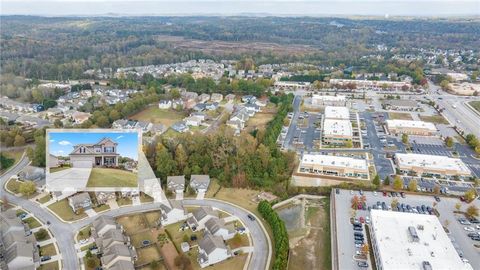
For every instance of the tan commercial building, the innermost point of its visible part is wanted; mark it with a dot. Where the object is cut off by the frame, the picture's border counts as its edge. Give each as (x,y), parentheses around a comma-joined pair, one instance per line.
(411,127)
(431,166)
(323,101)
(378,85)
(334,166)
(337,127)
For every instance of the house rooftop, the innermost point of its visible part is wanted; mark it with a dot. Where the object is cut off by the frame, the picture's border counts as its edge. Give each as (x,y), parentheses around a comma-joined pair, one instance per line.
(210,243)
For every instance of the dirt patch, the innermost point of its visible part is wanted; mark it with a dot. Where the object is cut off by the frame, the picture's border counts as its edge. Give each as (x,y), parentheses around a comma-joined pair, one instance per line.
(308,251)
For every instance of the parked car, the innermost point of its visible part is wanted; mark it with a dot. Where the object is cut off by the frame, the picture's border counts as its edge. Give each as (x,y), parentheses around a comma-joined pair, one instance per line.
(45,258)
(251,217)
(469,229)
(362,264)
(437,198)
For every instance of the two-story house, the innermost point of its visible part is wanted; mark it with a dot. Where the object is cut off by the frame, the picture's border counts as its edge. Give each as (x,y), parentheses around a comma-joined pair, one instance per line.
(102,153)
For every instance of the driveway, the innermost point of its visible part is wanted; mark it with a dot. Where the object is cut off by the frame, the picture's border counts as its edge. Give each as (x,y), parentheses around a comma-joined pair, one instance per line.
(68,179)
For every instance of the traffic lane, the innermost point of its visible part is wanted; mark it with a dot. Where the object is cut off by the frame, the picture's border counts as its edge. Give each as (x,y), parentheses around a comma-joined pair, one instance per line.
(293,123)
(261,248)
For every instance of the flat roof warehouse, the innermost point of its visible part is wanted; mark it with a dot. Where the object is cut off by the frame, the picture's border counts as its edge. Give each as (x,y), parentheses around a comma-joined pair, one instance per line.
(412,241)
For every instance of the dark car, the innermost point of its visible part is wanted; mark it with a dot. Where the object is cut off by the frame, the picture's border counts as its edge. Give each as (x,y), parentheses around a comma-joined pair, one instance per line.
(358,233)
(45,258)
(437,198)
(476,238)
(402,194)
(359,242)
(474,221)
(423,208)
(251,217)
(473,234)
(337,191)
(362,264)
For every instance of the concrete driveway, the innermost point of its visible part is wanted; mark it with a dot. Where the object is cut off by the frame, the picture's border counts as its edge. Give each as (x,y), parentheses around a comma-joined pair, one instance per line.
(69,178)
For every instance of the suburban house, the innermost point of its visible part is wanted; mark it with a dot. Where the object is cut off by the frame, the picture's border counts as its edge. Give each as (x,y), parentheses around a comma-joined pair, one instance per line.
(200,107)
(180,127)
(80,117)
(211,106)
(216,226)
(102,153)
(216,97)
(31,173)
(176,183)
(193,121)
(165,104)
(113,245)
(178,104)
(252,109)
(103,224)
(199,183)
(211,250)
(172,213)
(230,97)
(52,161)
(102,197)
(201,115)
(203,98)
(200,216)
(18,248)
(249,99)
(80,201)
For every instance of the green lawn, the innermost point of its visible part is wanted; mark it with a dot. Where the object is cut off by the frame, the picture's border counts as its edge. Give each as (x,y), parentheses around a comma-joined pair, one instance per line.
(32,222)
(106,177)
(83,233)
(36,236)
(62,209)
(101,208)
(97,263)
(45,199)
(48,250)
(49,266)
(57,169)
(124,201)
(475,105)
(399,116)
(155,115)
(436,119)
(13,185)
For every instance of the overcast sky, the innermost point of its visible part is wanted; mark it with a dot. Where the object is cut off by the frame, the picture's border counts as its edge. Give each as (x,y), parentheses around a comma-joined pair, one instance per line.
(242,7)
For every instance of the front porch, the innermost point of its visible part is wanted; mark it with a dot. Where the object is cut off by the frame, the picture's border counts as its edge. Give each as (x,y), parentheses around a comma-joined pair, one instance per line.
(108,161)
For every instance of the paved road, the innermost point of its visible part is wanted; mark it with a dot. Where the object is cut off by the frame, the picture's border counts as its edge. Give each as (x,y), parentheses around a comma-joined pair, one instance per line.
(287,144)
(461,115)
(64,232)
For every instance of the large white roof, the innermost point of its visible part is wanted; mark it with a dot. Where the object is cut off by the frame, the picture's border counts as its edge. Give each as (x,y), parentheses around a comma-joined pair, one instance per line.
(335,161)
(329,98)
(431,162)
(398,250)
(337,112)
(332,127)
(411,124)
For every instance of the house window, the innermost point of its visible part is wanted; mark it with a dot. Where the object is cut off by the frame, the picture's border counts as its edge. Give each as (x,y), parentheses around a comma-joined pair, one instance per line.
(109,149)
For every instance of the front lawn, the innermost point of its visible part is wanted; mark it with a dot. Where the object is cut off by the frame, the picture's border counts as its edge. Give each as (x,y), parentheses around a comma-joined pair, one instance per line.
(49,266)
(159,116)
(12,185)
(64,211)
(101,208)
(124,201)
(239,240)
(97,263)
(475,105)
(107,177)
(11,157)
(48,250)
(32,222)
(84,233)
(57,169)
(45,199)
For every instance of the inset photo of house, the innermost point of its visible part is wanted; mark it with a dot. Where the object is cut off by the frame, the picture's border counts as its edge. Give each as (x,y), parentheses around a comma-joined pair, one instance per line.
(92,160)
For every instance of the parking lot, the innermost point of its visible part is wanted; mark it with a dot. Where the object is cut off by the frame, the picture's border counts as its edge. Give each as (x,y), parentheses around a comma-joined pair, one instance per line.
(345,239)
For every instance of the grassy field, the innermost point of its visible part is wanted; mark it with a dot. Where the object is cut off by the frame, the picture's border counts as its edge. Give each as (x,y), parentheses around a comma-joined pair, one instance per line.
(176,235)
(97,263)
(12,185)
(475,105)
(45,199)
(32,222)
(124,201)
(49,266)
(399,116)
(37,234)
(48,250)
(101,208)
(106,177)
(57,169)
(259,121)
(312,249)
(62,209)
(84,233)
(133,223)
(158,116)
(147,255)
(436,119)
(238,241)
(13,154)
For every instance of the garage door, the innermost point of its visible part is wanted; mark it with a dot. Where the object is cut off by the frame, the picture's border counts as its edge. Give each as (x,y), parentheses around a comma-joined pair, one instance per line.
(82,163)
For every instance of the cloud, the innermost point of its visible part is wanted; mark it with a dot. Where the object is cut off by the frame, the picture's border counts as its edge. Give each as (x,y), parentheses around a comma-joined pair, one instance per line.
(119,137)
(64,143)
(52,140)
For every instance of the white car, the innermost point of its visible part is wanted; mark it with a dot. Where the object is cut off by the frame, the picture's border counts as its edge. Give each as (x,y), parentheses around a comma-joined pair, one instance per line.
(469,229)
(367,220)
(374,193)
(478,227)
